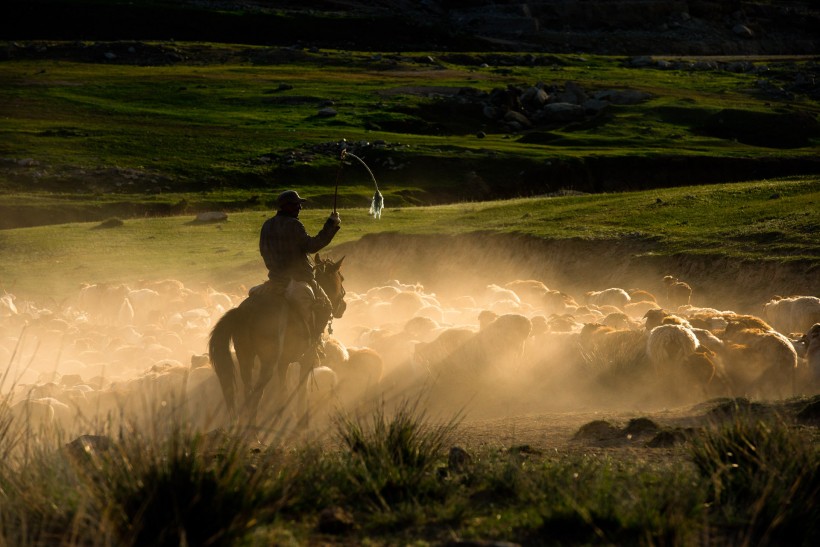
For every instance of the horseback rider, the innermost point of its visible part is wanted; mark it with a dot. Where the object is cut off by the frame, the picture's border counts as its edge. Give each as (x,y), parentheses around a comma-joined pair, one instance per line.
(286,248)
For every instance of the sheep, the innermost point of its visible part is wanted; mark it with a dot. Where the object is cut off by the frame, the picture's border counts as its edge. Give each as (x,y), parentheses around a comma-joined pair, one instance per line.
(607,344)
(759,359)
(528,290)
(669,345)
(563,323)
(427,354)
(608,297)
(361,373)
(7,306)
(654,318)
(640,295)
(557,302)
(485,317)
(637,310)
(38,416)
(490,348)
(792,314)
(812,337)
(420,327)
(678,293)
(335,353)
(682,363)
(102,301)
(619,320)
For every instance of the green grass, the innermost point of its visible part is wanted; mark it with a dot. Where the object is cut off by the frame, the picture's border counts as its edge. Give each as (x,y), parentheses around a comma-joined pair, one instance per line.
(202,126)
(389,481)
(765,220)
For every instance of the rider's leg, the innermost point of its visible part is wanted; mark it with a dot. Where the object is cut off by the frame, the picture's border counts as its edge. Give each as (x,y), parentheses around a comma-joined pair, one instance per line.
(301,295)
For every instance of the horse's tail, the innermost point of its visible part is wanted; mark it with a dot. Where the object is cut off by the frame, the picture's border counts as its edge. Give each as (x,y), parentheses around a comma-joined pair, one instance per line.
(219,349)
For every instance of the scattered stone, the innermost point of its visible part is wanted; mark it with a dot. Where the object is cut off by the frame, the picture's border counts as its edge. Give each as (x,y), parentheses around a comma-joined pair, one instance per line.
(88,446)
(598,430)
(109,223)
(211,216)
(327,112)
(458,459)
(517,117)
(666,439)
(335,520)
(561,113)
(622,96)
(641,426)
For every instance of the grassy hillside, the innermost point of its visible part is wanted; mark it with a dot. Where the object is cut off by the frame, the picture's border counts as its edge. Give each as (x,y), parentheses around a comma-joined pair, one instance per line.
(155,128)
(766,220)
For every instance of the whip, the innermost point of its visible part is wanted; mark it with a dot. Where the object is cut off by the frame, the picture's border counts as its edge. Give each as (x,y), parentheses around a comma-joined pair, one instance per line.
(377,203)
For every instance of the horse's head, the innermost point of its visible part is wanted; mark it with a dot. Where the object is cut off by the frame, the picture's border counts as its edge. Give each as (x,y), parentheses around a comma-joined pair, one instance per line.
(330,279)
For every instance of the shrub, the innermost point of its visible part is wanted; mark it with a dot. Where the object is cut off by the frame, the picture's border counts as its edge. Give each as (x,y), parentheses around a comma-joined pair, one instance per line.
(394,460)
(764,480)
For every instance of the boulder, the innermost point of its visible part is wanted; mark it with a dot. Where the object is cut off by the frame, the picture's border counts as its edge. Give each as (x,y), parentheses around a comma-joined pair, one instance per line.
(561,112)
(622,96)
(212,216)
(516,117)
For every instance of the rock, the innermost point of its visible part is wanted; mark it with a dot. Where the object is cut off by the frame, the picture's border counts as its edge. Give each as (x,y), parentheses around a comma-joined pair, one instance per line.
(335,520)
(490,112)
(561,112)
(87,446)
(743,31)
(516,117)
(458,459)
(622,96)
(594,106)
(575,92)
(327,112)
(212,216)
(641,426)
(598,430)
(109,223)
(666,439)
(534,98)
(641,61)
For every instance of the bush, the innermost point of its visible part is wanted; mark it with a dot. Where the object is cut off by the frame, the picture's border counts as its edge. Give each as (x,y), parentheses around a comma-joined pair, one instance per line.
(394,460)
(764,480)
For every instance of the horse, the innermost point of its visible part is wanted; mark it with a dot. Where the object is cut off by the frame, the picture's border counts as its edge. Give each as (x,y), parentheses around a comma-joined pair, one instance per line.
(254,329)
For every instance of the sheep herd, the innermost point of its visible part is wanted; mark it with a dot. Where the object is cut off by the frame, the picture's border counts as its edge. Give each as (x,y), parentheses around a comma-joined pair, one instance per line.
(120,355)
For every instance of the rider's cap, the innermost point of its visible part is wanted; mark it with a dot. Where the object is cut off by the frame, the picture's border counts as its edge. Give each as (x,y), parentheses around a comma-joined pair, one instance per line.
(289,196)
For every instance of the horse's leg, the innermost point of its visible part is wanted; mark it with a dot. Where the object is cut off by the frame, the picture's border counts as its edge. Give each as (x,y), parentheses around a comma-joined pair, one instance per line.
(307,362)
(245,358)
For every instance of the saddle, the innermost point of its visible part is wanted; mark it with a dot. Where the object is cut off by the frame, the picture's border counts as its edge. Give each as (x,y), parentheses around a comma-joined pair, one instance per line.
(270,295)
(267,291)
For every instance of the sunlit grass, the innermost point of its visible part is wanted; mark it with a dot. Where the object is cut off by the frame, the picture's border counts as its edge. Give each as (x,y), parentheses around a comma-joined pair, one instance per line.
(765,220)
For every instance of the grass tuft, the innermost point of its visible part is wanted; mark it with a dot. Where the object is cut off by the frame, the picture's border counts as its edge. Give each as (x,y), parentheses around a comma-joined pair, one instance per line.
(764,480)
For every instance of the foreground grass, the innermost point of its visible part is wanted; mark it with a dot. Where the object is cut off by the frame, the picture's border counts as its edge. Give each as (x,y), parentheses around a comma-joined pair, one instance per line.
(387,479)
(763,220)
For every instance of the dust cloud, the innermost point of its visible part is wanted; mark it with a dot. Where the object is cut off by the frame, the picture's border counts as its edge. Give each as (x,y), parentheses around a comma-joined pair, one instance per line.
(479,326)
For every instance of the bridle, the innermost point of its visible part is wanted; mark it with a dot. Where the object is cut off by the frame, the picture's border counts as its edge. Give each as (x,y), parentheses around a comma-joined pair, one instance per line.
(338,303)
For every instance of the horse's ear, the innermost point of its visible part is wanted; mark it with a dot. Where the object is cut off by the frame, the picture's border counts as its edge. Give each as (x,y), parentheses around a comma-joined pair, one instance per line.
(339,263)
(316,258)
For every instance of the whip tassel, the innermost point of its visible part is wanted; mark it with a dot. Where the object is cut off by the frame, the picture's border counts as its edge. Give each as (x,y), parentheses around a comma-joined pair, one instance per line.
(377,203)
